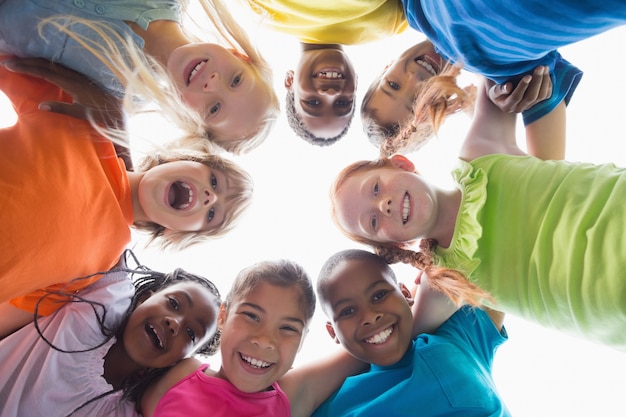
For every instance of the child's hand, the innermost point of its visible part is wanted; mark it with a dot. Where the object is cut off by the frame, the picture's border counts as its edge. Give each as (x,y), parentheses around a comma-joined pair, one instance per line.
(90,102)
(529,91)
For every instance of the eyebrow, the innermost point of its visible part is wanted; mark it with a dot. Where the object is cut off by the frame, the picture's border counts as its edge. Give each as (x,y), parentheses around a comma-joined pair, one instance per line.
(259,308)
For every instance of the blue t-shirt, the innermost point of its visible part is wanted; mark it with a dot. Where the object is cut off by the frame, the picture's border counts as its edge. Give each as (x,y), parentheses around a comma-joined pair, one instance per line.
(19,33)
(505,40)
(447,373)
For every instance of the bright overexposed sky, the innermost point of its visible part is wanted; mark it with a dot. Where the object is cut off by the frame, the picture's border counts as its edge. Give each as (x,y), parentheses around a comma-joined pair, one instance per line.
(539,372)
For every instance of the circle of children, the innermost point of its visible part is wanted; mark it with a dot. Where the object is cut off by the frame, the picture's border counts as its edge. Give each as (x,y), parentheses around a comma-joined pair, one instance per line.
(107,335)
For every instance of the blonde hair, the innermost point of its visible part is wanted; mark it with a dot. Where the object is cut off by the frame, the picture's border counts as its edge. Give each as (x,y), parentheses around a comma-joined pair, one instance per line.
(439,97)
(451,282)
(142,76)
(240,196)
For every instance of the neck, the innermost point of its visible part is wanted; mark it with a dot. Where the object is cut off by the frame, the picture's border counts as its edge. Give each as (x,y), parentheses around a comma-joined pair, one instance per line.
(161,38)
(314,46)
(118,366)
(449,202)
(134,178)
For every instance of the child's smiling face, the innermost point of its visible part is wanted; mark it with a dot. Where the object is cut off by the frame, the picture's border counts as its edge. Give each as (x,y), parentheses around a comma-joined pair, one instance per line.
(394,95)
(369,312)
(223,87)
(386,204)
(261,334)
(170,325)
(184,196)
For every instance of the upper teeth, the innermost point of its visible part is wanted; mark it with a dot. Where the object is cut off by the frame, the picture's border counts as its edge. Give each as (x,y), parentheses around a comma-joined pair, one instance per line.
(329,74)
(195,70)
(380,337)
(426,66)
(405,209)
(255,363)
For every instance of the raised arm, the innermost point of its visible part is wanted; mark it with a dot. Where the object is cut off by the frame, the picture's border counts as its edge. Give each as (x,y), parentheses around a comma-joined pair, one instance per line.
(492,130)
(310,385)
(430,308)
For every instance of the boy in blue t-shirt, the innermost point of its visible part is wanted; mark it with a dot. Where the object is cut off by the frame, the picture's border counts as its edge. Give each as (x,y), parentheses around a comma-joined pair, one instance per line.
(445,372)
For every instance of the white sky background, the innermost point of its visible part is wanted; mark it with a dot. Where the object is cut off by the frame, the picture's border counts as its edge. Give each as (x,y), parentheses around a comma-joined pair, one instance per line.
(539,372)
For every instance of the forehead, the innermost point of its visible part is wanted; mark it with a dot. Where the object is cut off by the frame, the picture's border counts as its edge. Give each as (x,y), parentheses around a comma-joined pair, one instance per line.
(352,277)
(283,301)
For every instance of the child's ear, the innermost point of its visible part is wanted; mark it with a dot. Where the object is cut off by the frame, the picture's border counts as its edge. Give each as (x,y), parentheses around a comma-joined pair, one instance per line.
(407,294)
(400,161)
(221,316)
(288,79)
(331,331)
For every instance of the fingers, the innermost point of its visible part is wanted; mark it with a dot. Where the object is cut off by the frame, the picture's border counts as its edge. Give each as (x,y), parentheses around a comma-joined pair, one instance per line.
(75,110)
(530,90)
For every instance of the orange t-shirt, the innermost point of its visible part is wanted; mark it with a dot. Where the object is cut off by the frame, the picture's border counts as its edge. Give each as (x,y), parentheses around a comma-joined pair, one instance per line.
(66,206)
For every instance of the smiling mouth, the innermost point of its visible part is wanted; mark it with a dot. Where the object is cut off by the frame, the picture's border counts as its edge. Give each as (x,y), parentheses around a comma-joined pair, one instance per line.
(330,75)
(428,64)
(195,70)
(156,340)
(406,208)
(380,337)
(180,195)
(255,363)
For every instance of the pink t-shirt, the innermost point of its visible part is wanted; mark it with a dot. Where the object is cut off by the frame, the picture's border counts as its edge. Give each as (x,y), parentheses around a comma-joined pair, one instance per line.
(200,394)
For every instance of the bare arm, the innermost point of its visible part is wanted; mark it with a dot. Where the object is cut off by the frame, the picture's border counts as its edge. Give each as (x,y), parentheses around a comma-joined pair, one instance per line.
(492,130)
(545,138)
(310,385)
(12,319)
(431,307)
(155,391)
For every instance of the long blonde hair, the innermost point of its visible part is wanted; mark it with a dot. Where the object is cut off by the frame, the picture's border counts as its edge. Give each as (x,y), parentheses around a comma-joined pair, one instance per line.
(143,77)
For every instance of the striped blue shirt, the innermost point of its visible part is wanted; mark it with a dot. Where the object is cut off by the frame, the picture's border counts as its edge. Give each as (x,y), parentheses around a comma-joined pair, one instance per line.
(504,40)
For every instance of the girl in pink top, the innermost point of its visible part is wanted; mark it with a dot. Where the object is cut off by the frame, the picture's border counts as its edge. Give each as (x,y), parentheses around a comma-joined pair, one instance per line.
(262,322)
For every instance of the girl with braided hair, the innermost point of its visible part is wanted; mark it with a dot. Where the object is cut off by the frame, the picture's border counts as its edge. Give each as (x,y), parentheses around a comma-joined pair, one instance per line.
(538,236)
(97,354)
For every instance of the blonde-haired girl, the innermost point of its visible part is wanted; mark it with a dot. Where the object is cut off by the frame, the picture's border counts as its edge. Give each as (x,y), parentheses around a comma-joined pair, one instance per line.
(216,91)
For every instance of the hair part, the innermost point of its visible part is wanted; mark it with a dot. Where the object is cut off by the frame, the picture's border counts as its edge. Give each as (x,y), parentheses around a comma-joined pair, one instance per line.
(281,273)
(301,131)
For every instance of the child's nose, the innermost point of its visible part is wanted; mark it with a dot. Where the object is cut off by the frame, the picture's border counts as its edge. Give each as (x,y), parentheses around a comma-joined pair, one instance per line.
(208,198)
(211,83)
(371,317)
(264,340)
(384,206)
(173,325)
(332,90)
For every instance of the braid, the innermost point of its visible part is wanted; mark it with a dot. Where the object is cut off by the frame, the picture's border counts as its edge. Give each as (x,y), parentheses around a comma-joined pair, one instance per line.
(450,282)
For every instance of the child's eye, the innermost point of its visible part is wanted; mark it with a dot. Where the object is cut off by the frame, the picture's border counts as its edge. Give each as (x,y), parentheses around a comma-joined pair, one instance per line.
(393,86)
(192,335)
(379,295)
(213,182)
(174,303)
(312,102)
(215,109)
(210,216)
(343,103)
(236,81)
(374,222)
(346,312)
(376,190)
(290,329)
(251,315)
